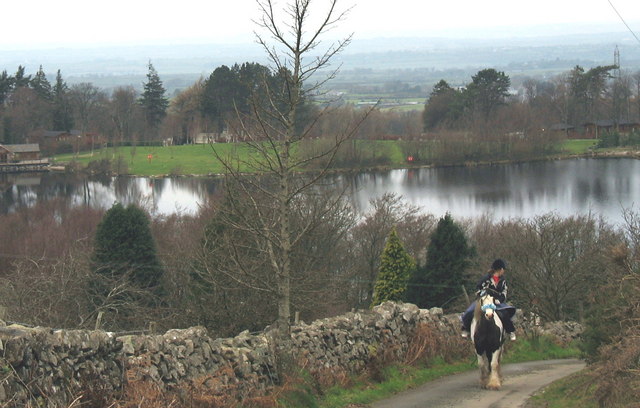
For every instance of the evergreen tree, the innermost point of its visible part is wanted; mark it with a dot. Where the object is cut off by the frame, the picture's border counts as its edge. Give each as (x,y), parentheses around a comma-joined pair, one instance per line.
(444,106)
(20,79)
(448,257)
(221,92)
(488,90)
(124,245)
(62,112)
(152,100)
(396,265)
(41,85)
(6,85)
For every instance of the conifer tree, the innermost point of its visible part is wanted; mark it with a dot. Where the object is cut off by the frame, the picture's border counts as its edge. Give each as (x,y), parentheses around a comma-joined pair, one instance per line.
(127,272)
(41,85)
(6,85)
(396,266)
(124,244)
(448,257)
(153,101)
(62,112)
(20,79)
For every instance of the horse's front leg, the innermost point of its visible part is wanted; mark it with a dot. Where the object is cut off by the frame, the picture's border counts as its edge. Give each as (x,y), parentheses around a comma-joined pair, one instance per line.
(483,363)
(494,382)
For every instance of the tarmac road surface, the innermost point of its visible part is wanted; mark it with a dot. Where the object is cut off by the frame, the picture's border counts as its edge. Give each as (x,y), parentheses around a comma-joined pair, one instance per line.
(521,380)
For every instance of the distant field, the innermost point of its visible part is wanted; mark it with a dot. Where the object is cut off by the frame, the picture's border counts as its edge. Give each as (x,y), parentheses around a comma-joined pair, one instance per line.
(388,103)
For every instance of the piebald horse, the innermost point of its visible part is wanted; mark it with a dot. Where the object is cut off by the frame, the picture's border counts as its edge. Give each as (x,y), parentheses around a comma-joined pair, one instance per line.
(488,337)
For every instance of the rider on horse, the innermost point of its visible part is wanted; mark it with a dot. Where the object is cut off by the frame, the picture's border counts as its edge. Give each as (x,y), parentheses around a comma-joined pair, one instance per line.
(495,283)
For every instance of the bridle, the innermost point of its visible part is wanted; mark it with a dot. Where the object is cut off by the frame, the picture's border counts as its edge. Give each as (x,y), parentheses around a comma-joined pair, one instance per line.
(484,293)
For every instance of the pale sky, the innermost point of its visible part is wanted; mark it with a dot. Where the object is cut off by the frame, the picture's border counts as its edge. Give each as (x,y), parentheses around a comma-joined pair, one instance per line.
(39,23)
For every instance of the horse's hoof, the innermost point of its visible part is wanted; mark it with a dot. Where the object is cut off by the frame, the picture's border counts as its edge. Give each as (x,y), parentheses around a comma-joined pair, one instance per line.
(492,387)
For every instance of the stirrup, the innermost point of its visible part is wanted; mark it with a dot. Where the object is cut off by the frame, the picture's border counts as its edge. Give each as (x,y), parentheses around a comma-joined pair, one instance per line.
(465,334)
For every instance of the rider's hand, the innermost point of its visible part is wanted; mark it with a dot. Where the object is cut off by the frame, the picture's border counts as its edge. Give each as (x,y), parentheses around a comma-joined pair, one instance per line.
(496,301)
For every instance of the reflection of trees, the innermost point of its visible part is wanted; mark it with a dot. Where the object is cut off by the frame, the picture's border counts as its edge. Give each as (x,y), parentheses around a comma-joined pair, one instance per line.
(133,190)
(99,192)
(515,187)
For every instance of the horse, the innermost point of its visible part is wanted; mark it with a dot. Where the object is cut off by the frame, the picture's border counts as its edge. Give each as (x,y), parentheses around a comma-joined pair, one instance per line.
(488,337)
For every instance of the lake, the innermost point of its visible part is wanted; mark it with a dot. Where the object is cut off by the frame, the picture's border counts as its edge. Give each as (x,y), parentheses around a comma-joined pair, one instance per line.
(567,187)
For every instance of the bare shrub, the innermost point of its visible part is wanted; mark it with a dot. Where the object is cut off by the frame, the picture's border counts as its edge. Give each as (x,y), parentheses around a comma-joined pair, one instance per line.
(614,323)
(617,376)
(48,293)
(555,263)
(326,378)
(428,343)
(44,232)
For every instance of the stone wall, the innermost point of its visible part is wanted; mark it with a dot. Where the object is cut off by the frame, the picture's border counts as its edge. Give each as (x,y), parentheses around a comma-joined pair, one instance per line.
(39,364)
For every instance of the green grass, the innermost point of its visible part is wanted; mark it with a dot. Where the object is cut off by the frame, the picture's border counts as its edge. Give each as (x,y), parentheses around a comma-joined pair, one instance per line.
(569,392)
(578,146)
(187,159)
(200,160)
(398,378)
(534,348)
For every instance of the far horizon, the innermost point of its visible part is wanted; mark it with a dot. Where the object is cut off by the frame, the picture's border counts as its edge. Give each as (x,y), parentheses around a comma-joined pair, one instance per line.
(472,33)
(77,23)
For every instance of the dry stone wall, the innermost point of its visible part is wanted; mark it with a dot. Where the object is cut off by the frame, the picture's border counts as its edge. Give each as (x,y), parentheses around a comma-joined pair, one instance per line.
(52,367)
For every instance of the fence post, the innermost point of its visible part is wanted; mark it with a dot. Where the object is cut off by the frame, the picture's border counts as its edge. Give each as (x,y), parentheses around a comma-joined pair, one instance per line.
(466,295)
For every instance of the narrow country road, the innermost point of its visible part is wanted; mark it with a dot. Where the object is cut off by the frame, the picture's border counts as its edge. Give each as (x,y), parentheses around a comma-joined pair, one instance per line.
(521,380)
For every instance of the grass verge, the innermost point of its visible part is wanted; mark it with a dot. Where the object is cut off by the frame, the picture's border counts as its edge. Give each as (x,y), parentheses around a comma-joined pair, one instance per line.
(399,377)
(570,392)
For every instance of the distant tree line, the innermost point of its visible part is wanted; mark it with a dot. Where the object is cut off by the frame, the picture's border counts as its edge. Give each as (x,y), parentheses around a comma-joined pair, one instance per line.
(482,120)
(30,105)
(575,97)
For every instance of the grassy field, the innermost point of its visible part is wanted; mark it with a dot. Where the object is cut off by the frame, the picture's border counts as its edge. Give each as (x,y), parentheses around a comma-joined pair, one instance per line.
(578,146)
(174,160)
(200,159)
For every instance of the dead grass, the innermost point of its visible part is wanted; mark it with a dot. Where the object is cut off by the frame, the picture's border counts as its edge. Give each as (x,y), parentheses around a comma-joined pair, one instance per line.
(428,344)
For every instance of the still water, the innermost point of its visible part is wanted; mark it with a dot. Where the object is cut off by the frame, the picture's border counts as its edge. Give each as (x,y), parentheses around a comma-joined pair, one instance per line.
(567,187)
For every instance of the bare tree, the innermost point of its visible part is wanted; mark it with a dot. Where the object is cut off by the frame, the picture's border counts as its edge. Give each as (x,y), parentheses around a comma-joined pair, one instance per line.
(123,111)
(636,79)
(273,131)
(185,108)
(555,263)
(86,99)
(620,92)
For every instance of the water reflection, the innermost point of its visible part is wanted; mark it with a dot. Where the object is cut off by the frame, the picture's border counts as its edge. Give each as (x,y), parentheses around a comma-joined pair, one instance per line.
(567,187)
(581,186)
(160,196)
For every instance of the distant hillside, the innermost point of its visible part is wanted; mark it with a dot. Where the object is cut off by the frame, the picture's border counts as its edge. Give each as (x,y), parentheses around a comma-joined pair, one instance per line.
(419,61)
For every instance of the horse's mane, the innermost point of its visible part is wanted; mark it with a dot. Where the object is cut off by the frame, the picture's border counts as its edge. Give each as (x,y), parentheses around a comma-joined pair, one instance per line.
(477,312)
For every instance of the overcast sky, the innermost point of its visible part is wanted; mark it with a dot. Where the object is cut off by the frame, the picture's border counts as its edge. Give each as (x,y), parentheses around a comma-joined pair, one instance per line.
(40,23)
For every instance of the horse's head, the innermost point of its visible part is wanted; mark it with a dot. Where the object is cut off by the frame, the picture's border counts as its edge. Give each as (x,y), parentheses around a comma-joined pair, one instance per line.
(486,304)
